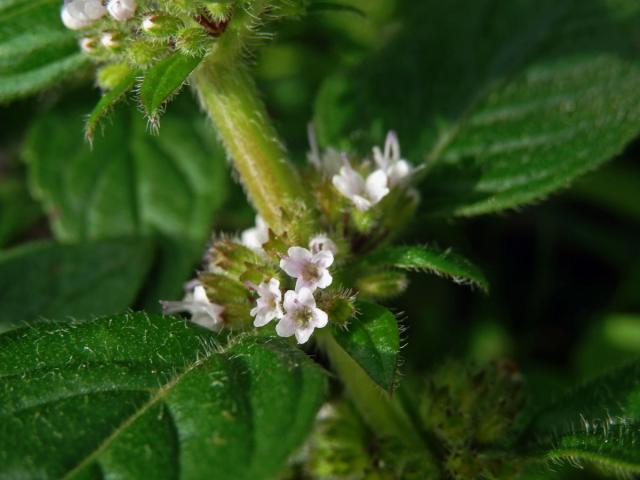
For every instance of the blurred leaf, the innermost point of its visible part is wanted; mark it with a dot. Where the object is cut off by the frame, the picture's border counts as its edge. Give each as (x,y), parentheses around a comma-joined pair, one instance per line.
(167,186)
(36,50)
(164,80)
(615,187)
(373,341)
(417,258)
(611,341)
(598,422)
(18,211)
(135,396)
(318,6)
(107,102)
(508,102)
(52,281)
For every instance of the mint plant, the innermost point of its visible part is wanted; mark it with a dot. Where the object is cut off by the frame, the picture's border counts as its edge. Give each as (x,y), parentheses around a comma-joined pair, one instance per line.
(138,341)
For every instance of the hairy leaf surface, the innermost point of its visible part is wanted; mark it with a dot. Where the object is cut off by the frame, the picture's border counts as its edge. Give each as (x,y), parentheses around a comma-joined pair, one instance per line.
(505,102)
(597,422)
(445,263)
(36,50)
(165,79)
(48,280)
(373,341)
(150,397)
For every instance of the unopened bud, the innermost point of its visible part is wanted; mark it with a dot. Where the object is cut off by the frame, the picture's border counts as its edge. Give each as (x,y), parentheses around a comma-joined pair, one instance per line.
(382,285)
(89,44)
(230,294)
(193,41)
(142,53)
(340,308)
(160,25)
(111,75)
(232,257)
(111,41)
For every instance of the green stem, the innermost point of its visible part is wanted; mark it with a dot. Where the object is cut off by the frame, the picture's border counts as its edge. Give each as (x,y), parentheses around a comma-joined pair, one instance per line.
(231,99)
(382,414)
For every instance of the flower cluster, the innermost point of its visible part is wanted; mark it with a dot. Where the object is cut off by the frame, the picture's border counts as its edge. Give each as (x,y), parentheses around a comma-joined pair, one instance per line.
(81,14)
(300,315)
(366,186)
(296,311)
(266,277)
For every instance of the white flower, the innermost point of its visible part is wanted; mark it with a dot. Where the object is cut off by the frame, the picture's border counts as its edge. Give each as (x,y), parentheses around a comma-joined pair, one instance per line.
(197,304)
(122,10)
(302,316)
(396,168)
(79,14)
(311,269)
(363,193)
(269,305)
(321,242)
(257,236)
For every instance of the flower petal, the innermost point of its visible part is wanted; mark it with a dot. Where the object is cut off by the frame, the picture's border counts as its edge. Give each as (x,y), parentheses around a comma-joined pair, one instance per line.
(286,327)
(303,334)
(320,318)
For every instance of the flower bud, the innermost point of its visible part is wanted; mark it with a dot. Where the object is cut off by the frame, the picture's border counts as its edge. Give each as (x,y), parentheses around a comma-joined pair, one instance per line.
(111,75)
(232,257)
(143,53)
(230,294)
(340,308)
(160,25)
(111,41)
(89,45)
(122,10)
(382,285)
(192,41)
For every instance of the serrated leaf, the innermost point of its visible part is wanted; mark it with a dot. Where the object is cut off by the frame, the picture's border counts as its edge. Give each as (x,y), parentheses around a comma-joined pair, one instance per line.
(165,79)
(506,102)
(372,339)
(52,281)
(597,422)
(150,397)
(131,183)
(36,50)
(107,102)
(444,263)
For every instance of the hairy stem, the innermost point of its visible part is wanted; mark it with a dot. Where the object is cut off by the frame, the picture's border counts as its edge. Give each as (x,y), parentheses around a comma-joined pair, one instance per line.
(230,97)
(228,94)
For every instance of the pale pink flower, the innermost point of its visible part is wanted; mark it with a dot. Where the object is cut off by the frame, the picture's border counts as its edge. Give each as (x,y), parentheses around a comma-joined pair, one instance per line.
(302,316)
(269,304)
(310,269)
(197,304)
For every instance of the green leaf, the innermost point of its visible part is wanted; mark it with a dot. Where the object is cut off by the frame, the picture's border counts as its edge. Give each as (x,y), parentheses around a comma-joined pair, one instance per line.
(51,281)
(165,79)
(597,422)
(444,263)
(506,102)
(107,102)
(150,397)
(36,50)
(373,341)
(130,183)
(18,211)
